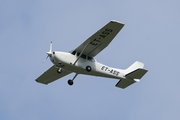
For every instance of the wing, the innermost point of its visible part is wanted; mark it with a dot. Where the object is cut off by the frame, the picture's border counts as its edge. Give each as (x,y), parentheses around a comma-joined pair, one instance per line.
(51,75)
(99,40)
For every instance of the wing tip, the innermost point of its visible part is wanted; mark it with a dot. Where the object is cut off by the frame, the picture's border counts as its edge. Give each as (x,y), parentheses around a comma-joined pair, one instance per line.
(116,21)
(41,82)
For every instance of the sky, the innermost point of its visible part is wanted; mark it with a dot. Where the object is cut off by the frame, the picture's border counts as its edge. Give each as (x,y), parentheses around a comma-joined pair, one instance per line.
(150,35)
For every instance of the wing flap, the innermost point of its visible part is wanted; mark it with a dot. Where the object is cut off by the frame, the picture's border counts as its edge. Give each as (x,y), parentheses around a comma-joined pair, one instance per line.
(51,75)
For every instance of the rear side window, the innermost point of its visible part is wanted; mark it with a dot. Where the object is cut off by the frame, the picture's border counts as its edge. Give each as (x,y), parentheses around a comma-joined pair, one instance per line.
(91,59)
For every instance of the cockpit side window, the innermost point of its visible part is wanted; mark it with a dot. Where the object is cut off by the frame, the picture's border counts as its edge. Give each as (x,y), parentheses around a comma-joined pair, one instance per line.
(78,54)
(83,56)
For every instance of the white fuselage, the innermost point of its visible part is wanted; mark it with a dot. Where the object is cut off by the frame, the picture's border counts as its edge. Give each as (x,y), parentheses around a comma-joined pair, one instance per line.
(66,61)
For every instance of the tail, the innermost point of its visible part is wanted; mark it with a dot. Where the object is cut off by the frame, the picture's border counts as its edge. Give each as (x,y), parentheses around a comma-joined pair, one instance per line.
(134,66)
(133,73)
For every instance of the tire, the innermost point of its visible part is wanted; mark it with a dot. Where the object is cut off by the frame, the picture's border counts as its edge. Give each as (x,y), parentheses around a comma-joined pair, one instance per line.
(70,82)
(88,68)
(59,70)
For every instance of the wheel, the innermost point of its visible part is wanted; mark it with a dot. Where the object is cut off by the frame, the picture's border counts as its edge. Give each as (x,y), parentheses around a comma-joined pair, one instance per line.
(59,70)
(88,68)
(70,82)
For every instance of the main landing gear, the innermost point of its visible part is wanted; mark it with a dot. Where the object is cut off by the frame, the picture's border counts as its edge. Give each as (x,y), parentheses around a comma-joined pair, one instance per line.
(70,82)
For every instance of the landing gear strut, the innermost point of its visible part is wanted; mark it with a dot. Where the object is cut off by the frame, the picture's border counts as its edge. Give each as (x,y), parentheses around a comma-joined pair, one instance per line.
(70,82)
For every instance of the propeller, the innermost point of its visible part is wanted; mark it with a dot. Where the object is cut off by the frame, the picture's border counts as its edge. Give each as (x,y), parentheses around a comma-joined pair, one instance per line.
(50,52)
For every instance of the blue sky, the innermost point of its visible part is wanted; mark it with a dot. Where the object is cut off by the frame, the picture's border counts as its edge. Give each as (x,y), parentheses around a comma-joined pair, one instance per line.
(150,35)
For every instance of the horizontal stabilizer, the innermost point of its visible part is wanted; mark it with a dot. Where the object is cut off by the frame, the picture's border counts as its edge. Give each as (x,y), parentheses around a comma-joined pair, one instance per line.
(136,74)
(124,83)
(132,77)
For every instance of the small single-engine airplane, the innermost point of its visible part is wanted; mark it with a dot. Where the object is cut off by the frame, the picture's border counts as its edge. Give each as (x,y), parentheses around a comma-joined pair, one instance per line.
(81,60)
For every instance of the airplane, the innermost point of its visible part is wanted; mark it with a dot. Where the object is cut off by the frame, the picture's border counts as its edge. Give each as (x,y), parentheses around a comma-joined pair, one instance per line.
(81,60)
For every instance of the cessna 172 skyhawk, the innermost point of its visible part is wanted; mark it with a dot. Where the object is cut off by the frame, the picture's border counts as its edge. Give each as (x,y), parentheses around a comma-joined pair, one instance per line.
(81,60)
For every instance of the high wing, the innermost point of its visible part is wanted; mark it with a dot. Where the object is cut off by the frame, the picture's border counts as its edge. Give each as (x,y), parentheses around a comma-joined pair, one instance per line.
(51,75)
(99,40)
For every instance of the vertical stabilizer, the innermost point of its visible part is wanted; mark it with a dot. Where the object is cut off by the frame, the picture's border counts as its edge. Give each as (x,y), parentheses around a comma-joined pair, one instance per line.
(133,74)
(134,66)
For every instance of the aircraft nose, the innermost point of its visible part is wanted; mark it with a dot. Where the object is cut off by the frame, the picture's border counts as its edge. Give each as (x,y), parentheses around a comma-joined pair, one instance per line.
(59,56)
(49,53)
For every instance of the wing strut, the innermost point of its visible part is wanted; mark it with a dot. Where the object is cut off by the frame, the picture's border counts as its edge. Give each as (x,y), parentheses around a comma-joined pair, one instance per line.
(82,51)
